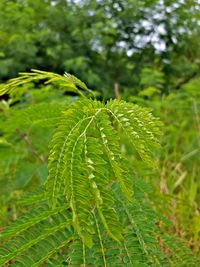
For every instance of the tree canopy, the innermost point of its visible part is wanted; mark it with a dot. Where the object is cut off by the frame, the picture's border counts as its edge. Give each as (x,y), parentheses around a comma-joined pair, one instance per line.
(103,42)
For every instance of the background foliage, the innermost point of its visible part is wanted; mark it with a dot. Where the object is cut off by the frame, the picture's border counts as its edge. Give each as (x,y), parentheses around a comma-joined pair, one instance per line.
(119,39)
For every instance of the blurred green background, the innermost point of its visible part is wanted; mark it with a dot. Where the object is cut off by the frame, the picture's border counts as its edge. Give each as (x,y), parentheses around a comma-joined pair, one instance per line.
(146,51)
(137,44)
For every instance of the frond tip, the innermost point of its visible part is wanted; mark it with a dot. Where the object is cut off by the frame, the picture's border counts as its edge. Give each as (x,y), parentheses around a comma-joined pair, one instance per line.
(68,82)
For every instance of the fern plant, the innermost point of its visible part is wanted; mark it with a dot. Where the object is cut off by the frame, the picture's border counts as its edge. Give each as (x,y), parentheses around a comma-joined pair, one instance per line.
(91,210)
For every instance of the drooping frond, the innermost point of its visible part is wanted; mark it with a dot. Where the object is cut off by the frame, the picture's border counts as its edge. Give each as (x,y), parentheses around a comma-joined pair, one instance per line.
(36,236)
(141,128)
(67,81)
(99,180)
(110,141)
(58,148)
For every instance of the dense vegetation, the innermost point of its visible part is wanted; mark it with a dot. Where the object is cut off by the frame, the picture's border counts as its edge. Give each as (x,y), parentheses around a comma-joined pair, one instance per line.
(129,42)
(83,179)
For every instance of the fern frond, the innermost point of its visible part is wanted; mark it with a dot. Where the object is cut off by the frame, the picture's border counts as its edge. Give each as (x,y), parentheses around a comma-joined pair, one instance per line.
(142,246)
(111,144)
(79,173)
(36,236)
(30,219)
(44,237)
(68,81)
(139,125)
(99,180)
(36,196)
(71,121)
(76,187)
